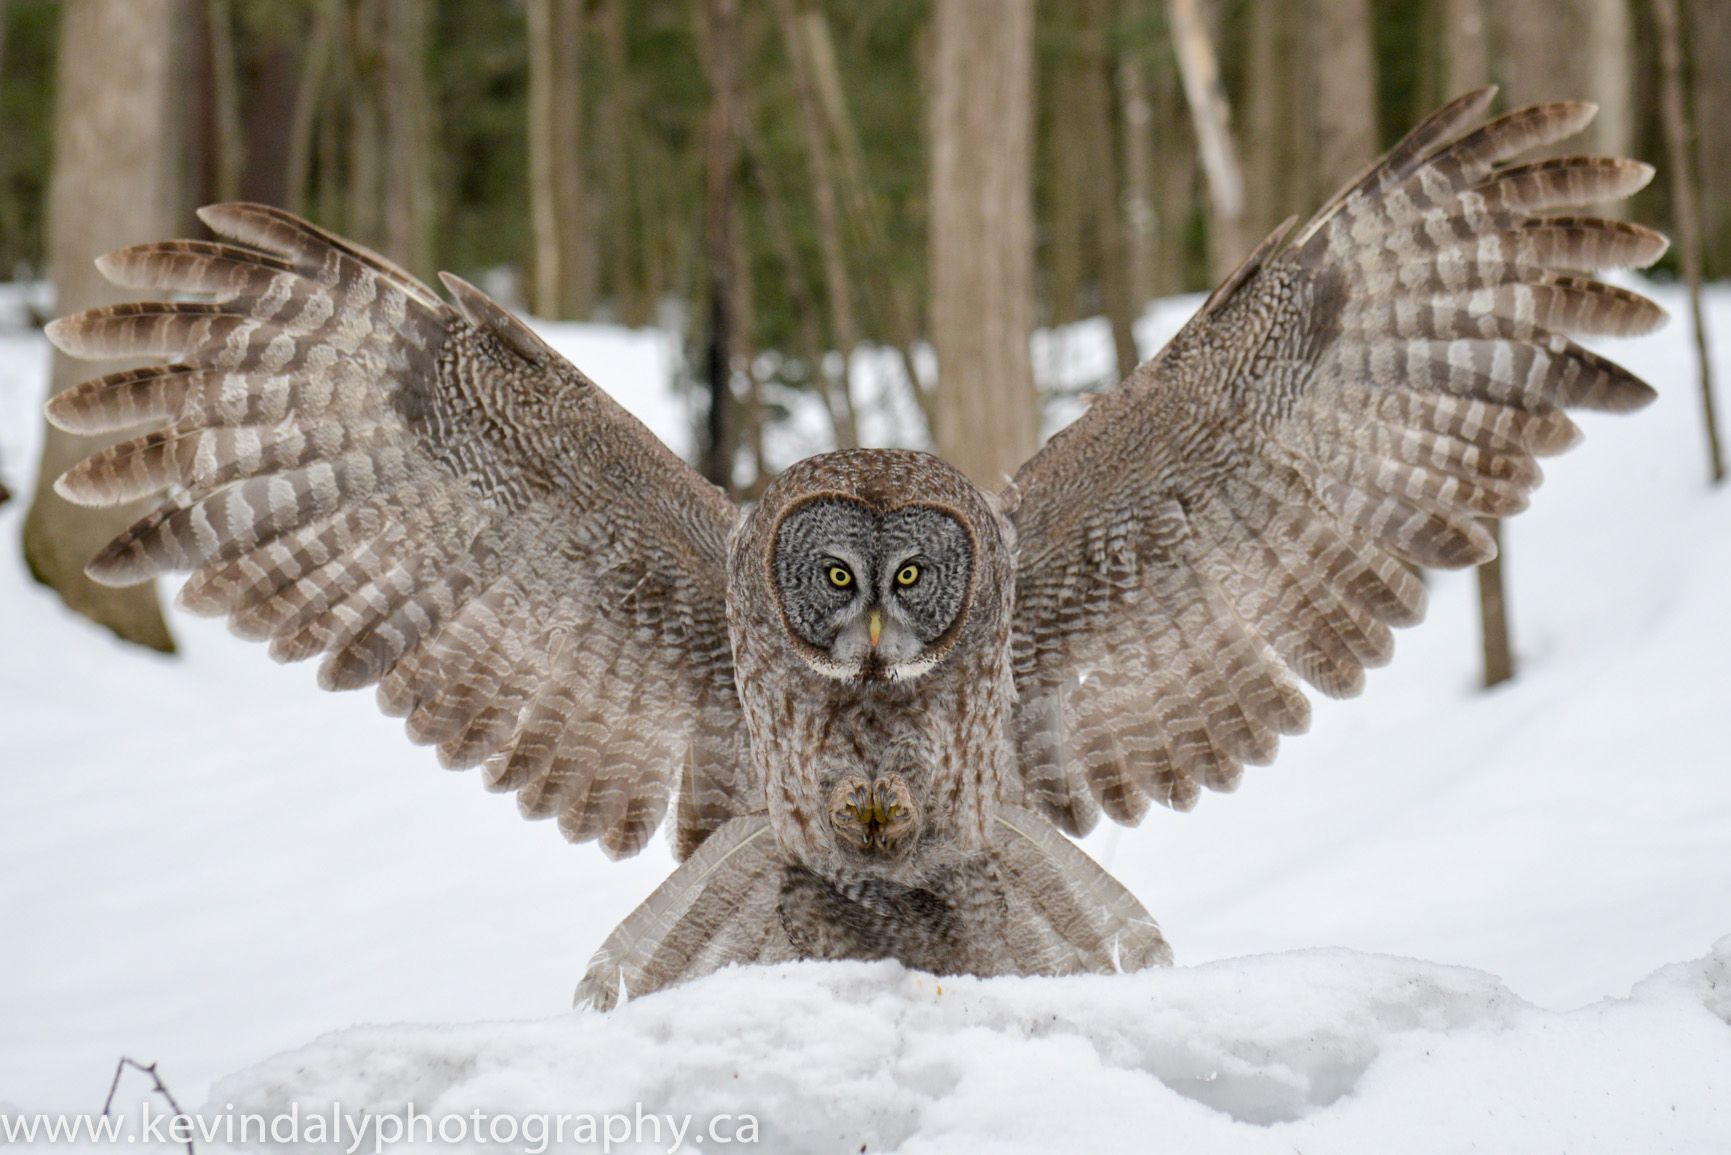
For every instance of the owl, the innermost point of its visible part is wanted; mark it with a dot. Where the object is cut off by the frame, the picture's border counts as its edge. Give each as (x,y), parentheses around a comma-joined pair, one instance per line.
(877,702)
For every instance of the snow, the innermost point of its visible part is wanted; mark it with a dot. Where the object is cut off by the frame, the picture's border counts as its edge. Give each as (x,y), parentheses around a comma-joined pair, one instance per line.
(1311,1050)
(205,861)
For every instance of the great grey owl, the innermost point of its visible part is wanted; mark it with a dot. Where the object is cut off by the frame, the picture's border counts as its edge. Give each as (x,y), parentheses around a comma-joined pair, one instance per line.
(878,700)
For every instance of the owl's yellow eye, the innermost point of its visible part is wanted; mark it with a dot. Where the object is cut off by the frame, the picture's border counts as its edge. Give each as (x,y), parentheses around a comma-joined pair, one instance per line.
(839,577)
(908,575)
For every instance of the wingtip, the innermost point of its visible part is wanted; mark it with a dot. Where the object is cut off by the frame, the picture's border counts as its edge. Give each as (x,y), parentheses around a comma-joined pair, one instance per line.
(216,216)
(62,334)
(483,312)
(66,486)
(1661,245)
(79,486)
(59,412)
(118,568)
(1479,98)
(1579,113)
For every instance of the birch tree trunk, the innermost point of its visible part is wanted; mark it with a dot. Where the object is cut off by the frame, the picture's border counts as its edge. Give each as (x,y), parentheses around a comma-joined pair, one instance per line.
(981,249)
(564,266)
(116,182)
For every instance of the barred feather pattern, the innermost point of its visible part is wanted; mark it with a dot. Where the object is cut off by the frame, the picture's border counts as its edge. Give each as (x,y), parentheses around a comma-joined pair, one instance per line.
(1034,904)
(435,501)
(1233,522)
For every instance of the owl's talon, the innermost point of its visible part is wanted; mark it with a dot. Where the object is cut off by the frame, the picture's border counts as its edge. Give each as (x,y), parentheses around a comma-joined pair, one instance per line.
(879,815)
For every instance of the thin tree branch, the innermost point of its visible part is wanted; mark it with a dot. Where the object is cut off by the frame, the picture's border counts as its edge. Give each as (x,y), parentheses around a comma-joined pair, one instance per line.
(160,1087)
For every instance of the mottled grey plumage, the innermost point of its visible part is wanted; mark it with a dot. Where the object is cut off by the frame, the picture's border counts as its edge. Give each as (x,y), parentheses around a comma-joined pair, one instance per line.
(872,696)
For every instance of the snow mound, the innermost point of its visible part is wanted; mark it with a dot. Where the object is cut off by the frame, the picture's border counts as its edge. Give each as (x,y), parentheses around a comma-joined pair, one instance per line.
(1324,1050)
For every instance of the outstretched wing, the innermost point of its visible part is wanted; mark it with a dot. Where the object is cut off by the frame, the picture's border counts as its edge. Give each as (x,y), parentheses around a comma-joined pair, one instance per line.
(433,499)
(1236,516)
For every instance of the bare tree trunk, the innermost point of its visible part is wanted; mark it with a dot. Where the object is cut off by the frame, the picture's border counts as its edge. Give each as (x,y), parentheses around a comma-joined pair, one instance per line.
(844,327)
(270,126)
(334,112)
(1709,50)
(1060,92)
(1466,46)
(749,409)
(1274,125)
(862,207)
(1086,241)
(1176,159)
(1138,216)
(364,218)
(316,71)
(116,182)
(1573,50)
(1686,214)
(1499,657)
(626,242)
(721,150)
(1105,208)
(228,143)
(411,207)
(981,225)
(1466,67)
(774,200)
(1209,112)
(391,195)
(1341,61)
(1110,238)
(564,284)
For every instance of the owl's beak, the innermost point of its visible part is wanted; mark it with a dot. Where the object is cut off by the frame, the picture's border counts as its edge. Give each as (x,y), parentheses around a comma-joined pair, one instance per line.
(874,626)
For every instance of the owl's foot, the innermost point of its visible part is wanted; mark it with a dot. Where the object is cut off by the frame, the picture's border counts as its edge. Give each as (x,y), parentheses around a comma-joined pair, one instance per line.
(876,815)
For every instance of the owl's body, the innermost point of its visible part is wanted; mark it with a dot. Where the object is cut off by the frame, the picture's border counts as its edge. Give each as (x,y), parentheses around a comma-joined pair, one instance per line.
(944,732)
(935,896)
(877,701)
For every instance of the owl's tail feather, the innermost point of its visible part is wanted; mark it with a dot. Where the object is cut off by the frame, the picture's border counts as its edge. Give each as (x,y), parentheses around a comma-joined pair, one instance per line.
(1065,915)
(719,907)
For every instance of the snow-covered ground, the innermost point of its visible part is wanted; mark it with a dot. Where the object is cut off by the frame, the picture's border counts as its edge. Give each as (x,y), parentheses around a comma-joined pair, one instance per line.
(205,861)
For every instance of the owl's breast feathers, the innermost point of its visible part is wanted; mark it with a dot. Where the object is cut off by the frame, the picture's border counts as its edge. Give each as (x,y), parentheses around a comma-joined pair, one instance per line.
(922,761)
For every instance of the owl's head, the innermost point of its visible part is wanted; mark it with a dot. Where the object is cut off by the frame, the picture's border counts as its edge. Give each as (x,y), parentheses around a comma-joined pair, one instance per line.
(874,566)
